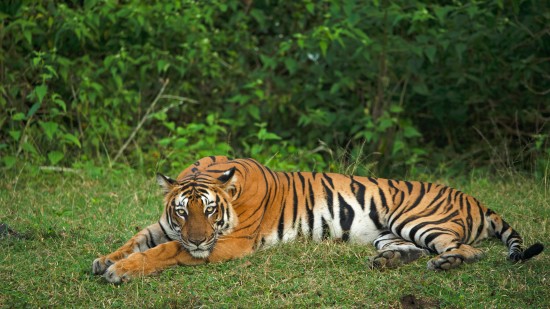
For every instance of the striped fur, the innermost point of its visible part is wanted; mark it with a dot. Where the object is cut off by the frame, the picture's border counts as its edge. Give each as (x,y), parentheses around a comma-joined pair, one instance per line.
(219,209)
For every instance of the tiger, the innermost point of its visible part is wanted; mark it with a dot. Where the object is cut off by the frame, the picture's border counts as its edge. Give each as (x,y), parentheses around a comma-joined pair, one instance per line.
(220,208)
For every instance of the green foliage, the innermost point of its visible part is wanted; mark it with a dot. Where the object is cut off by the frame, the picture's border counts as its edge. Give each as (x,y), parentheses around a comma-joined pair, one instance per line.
(406,83)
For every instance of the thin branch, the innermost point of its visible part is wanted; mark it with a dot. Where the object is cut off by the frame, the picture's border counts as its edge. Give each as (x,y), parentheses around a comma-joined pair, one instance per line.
(60,169)
(544,92)
(175,97)
(141,122)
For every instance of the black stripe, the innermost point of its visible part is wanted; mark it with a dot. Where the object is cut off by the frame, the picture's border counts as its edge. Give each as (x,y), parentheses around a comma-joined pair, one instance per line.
(152,240)
(302,180)
(383,199)
(469,220)
(409,186)
(481,226)
(419,198)
(164,231)
(358,190)
(418,226)
(281,226)
(346,217)
(311,194)
(373,214)
(309,216)
(294,202)
(329,180)
(330,202)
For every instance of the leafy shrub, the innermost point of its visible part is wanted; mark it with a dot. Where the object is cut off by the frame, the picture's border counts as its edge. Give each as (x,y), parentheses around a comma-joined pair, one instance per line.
(299,84)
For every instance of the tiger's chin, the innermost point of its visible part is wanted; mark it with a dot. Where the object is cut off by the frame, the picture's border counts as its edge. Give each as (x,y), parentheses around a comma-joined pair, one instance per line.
(199,254)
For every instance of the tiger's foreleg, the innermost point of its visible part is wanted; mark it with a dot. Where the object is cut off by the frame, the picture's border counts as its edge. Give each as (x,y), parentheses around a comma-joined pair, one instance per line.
(394,251)
(149,237)
(148,262)
(172,253)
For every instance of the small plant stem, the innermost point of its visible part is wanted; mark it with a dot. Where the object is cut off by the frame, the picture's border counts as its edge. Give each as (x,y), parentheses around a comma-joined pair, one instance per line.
(141,122)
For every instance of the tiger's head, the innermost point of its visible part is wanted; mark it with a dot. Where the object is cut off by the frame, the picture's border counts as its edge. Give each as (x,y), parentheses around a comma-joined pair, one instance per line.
(198,209)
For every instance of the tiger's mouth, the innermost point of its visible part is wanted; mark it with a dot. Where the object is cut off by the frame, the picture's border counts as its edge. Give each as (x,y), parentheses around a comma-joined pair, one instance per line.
(199,254)
(202,250)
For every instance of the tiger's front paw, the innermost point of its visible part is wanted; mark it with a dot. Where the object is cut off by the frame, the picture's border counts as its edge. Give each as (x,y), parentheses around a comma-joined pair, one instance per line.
(116,274)
(126,269)
(100,265)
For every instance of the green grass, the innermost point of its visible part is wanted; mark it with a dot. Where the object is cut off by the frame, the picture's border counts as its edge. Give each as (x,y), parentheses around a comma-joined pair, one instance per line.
(64,221)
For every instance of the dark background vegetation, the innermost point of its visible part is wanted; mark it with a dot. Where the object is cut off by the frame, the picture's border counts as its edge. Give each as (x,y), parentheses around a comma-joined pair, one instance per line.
(397,86)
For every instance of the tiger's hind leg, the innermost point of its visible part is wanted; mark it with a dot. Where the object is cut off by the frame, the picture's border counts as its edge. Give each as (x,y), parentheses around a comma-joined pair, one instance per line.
(452,254)
(394,251)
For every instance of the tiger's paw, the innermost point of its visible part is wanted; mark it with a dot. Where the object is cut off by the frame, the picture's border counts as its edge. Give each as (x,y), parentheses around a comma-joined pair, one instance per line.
(387,259)
(100,265)
(445,262)
(117,275)
(124,270)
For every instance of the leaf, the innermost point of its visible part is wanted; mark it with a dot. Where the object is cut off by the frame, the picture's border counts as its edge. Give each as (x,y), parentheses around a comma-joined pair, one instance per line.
(384,124)
(254,111)
(398,145)
(324,46)
(420,88)
(57,100)
(162,65)
(310,8)
(441,12)
(18,116)
(73,139)
(28,35)
(430,53)
(460,48)
(40,92)
(271,136)
(396,109)
(55,157)
(9,161)
(291,65)
(33,109)
(181,143)
(49,128)
(15,134)
(165,141)
(410,131)
(29,148)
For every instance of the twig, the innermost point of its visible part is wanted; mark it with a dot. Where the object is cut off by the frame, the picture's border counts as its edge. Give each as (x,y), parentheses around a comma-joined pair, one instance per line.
(533,90)
(181,99)
(141,122)
(59,169)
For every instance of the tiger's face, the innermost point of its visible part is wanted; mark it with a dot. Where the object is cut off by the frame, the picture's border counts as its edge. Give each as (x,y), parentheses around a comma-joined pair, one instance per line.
(199,210)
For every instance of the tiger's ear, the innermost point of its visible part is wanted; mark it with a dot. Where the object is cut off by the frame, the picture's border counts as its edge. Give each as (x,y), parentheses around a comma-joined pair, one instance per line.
(165,182)
(227,175)
(226,179)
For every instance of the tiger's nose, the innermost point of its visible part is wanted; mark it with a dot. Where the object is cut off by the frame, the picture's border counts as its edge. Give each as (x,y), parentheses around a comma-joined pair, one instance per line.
(197,242)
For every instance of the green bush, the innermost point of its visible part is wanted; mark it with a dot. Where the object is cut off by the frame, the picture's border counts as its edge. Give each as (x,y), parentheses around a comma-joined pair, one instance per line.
(297,83)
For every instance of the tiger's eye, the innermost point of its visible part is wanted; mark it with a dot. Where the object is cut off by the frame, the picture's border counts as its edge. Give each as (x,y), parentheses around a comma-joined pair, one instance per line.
(210,209)
(180,211)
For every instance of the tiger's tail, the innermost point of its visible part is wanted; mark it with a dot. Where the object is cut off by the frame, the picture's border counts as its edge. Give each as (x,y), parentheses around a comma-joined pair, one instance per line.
(503,231)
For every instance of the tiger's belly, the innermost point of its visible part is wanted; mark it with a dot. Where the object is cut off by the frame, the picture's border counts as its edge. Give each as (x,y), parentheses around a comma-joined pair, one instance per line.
(353,225)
